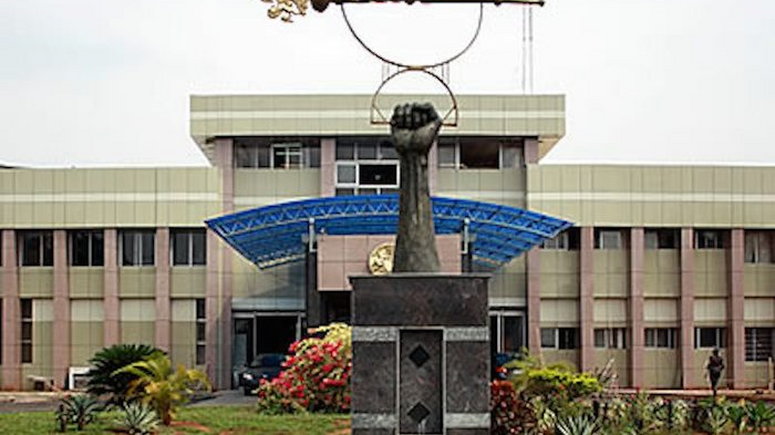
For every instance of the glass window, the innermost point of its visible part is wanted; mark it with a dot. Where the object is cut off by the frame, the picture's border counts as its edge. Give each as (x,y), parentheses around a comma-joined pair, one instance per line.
(758,344)
(560,338)
(345,151)
(286,156)
(758,247)
(367,151)
(137,247)
(188,247)
(447,155)
(709,239)
(377,175)
(201,328)
(611,338)
(511,156)
(37,248)
(661,338)
(609,239)
(480,155)
(346,174)
(549,337)
(312,156)
(565,241)
(662,239)
(387,150)
(710,337)
(86,248)
(26,332)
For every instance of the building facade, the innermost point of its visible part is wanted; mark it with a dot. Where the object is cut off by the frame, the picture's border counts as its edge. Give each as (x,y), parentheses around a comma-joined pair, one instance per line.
(663,263)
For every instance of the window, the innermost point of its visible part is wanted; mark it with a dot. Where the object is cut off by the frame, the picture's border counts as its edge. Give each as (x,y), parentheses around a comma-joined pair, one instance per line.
(560,338)
(201,323)
(710,239)
(758,344)
(662,239)
(37,248)
(366,166)
(188,247)
(661,338)
(286,156)
(507,331)
(478,153)
(611,338)
(609,238)
(137,247)
(279,155)
(565,241)
(86,248)
(758,247)
(26,307)
(710,338)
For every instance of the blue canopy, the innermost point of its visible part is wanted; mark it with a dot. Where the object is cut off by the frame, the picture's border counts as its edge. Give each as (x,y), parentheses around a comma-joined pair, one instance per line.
(279,233)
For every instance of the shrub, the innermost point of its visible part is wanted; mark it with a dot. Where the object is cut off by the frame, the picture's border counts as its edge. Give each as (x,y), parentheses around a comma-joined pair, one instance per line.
(577,425)
(103,378)
(137,419)
(316,375)
(160,385)
(760,416)
(79,410)
(556,383)
(510,414)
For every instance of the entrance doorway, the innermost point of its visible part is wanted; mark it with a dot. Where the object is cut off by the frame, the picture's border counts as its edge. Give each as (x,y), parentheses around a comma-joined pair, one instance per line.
(507,331)
(258,333)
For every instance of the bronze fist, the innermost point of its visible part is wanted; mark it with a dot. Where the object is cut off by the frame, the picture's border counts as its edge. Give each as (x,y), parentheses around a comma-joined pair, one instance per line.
(414,127)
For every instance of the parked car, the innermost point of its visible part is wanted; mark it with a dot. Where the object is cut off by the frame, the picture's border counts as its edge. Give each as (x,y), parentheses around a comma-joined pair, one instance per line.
(264,366)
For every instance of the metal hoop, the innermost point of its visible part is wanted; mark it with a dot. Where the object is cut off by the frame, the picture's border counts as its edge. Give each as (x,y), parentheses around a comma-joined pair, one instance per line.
(414,67)
(379,118)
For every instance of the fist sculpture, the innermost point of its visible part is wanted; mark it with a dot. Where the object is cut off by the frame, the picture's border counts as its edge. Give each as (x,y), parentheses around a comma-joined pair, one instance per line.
(414,128)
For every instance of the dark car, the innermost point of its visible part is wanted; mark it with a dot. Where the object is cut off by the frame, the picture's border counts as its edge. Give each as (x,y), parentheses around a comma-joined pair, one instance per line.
(264,366)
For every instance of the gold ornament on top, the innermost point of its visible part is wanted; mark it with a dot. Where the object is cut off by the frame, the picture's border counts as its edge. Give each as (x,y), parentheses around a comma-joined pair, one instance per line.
(381,259)
(286,9)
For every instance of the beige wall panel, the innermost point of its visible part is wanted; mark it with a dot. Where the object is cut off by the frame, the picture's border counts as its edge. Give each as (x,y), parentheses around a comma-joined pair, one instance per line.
(710,276)
(608,311)
(188,282)
(86,339)
(42,346)
(570,357)
(756,375)
(138,310)
(137,282)
(36,282)
(760,311)
(660,311)
(711,312)
(661,276)
(507,285)
(765,279)
(183,310)
(661,368)
(87,310)
(700,361)
(86,282)
(183,349)
(559,313)
(137,332)
(619,365)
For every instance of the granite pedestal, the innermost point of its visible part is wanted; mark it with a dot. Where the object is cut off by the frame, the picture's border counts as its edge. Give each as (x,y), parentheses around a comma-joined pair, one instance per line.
(421,360)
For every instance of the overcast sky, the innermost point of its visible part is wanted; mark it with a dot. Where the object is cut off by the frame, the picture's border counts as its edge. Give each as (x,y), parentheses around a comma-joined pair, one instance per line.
(106,82)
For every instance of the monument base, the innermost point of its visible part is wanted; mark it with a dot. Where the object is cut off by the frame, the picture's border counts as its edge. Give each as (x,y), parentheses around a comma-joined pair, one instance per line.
(421,354)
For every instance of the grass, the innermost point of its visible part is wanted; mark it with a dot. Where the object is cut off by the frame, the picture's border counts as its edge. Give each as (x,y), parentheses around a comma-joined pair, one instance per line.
(231,420)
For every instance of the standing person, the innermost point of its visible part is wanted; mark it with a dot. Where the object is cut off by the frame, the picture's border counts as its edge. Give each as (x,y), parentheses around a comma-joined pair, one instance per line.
(715,366)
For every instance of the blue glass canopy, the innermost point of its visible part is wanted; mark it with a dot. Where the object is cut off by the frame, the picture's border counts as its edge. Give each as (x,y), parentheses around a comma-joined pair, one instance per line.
(280,233)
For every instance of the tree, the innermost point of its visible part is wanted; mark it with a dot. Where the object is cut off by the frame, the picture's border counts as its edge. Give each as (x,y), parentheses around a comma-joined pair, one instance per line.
(103,378)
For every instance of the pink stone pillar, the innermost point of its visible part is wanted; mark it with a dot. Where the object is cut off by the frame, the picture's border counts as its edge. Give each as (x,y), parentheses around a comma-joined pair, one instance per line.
(587,299)
(11,361)
(218,328)
(735,312)
(687,308)
(163,308)
(534,301)
(111,303)
(636,308)
(327,167)
(531,151)
(61,324)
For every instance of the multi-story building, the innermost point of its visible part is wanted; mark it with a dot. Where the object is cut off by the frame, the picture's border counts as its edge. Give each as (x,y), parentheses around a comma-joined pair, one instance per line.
(663,262)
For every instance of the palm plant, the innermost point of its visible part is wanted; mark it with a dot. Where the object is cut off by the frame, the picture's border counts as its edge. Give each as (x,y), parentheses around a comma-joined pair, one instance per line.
(578,425)
(79,410)
(738,416)
(138,419)
(716,419)
(760,416)
(103,378)
(163,387)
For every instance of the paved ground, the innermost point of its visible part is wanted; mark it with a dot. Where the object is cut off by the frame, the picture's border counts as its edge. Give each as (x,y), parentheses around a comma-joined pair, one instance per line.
(227,398)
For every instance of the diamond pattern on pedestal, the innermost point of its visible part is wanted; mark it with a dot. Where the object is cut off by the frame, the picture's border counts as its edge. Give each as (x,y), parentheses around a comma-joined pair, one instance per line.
(418,412)
(419,356)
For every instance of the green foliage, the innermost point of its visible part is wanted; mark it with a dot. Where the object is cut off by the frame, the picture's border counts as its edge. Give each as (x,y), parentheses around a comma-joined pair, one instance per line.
(103,378)
(738,417)
(548,382)
(160,385)
(316,376)
(77,410)
(137,419)
(670,414)
(576,425)
(760,416)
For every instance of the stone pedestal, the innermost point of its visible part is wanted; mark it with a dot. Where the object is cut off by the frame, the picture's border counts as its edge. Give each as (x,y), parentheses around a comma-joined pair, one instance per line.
(421,354)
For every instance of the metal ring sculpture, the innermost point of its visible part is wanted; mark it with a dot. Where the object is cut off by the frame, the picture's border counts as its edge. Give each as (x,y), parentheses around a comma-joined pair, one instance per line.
(376,115)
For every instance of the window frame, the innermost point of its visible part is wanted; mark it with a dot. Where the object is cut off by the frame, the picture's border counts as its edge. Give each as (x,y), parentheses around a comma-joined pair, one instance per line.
(344,188)
(652,341)
(753,337)
(138,252)
(560,342)
(189,234)
(720,337)
(753,243)
(610,338)
(455,144)
(600,240)
(288,149)
(26,343)
(660,238)
(719,242)
(45,243)
(200,347)
(90,248)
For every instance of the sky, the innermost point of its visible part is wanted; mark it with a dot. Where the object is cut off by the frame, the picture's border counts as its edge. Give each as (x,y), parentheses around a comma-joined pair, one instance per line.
(107,82)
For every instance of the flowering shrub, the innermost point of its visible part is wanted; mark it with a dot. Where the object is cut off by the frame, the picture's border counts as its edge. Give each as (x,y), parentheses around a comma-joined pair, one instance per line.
(316,375)
(509,413)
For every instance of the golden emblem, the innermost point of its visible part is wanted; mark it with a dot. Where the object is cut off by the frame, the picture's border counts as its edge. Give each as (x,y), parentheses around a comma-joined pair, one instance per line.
(286,9)
(381,259)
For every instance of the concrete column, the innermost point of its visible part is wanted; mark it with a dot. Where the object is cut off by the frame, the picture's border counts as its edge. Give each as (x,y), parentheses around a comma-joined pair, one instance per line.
(163,309)
(735,356)
(531,151)
(12,356)
(587,299)
(111,302)
(327,167)
(534,301)
(687,308)
(219,289)
(61,324)
(635,353)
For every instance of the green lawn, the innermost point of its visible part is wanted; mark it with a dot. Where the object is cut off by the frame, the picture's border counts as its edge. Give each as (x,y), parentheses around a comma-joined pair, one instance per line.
(231,420)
